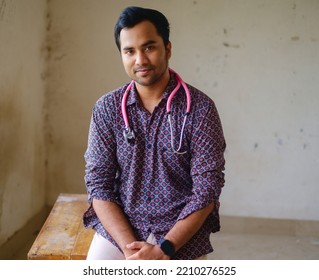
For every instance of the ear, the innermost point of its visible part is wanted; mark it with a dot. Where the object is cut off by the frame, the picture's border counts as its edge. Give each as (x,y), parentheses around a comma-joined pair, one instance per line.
(169,50)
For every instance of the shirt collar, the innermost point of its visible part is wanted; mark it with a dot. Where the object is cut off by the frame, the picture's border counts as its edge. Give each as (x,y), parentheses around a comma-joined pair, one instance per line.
(133,96)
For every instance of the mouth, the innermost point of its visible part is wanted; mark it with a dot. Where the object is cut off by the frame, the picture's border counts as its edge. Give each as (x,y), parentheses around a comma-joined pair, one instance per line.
(143,71)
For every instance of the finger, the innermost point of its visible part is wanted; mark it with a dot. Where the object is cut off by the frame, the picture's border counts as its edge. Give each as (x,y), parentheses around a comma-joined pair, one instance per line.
(135,245)
(133,257)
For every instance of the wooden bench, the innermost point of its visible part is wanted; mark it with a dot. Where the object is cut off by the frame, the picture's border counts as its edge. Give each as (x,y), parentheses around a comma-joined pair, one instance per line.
(63,236)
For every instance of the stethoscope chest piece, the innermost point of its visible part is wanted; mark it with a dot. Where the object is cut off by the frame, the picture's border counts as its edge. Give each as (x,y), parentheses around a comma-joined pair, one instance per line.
(129,135)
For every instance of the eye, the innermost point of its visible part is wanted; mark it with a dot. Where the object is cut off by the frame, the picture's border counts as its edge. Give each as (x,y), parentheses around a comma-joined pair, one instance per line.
(128,52)
(149,48)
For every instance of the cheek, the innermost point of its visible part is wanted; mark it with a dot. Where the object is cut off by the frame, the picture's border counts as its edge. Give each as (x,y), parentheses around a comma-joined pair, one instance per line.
(157,58)
(127,63)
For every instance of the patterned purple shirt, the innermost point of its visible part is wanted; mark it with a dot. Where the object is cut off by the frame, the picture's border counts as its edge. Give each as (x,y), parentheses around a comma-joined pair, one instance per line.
(155,187)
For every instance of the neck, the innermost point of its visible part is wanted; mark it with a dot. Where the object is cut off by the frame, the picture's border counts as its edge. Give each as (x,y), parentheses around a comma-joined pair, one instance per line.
(151,95)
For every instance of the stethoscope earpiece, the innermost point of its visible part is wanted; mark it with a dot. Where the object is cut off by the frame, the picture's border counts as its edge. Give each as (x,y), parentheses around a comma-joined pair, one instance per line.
(128,133)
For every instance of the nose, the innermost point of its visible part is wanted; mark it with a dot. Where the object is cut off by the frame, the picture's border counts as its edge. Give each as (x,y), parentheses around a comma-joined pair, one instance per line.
(141,58)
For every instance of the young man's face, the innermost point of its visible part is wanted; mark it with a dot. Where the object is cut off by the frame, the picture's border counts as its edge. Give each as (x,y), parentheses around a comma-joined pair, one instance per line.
(144,55)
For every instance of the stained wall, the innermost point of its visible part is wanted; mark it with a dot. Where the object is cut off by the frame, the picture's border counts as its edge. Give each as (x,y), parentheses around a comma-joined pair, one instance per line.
(22,96)
(258,60)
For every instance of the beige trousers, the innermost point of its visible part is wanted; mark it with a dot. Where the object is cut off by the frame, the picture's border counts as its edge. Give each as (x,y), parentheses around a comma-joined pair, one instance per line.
(102,249)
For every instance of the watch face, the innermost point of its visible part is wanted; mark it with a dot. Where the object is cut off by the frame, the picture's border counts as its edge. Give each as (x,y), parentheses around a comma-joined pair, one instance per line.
(167,247)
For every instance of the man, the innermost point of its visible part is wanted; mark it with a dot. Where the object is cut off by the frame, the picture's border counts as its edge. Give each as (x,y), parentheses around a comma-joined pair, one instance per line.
(147,201)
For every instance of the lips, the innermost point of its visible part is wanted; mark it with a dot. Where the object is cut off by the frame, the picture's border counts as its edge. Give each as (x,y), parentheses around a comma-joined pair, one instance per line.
(143,71)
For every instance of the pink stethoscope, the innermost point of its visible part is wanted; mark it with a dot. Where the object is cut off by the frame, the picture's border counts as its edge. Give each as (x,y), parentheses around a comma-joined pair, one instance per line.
(129,133)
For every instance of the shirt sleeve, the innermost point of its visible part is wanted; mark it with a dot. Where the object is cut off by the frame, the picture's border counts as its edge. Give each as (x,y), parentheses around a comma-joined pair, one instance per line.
(100,156)
(207,163)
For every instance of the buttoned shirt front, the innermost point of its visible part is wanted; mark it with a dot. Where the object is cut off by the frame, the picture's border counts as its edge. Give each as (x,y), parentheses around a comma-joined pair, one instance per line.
(154,186)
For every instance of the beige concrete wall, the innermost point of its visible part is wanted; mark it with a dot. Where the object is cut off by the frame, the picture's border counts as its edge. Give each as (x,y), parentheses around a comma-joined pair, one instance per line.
(22,35)
(80,39)
(259,60)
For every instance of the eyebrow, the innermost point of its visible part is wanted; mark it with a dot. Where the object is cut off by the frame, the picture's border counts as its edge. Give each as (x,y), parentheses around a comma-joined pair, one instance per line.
(150,42)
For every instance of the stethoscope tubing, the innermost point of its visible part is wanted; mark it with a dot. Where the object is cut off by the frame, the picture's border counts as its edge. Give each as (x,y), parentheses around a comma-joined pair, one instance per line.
(123,104)
(129,133)
(188,96)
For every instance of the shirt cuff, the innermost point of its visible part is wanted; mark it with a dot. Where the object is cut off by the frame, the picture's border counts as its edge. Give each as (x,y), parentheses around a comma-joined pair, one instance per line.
(104,195)
(193,206)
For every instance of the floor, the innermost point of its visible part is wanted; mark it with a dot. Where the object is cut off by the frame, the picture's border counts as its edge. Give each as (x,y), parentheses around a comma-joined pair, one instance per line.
(229,246)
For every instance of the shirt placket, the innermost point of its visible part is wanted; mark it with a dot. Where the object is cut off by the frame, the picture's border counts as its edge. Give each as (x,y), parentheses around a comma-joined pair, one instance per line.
(151,128)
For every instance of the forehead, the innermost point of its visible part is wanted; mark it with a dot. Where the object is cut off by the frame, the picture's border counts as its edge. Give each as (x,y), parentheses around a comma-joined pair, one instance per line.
(139,34)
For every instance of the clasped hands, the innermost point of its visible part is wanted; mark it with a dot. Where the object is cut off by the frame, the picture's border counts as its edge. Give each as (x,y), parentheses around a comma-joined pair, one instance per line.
(141,250)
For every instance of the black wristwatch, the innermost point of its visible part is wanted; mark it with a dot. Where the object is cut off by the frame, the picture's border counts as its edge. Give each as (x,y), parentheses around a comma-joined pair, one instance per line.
(167,247)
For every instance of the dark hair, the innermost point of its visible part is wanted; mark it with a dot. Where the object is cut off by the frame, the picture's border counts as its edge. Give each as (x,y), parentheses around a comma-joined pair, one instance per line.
(131,16)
